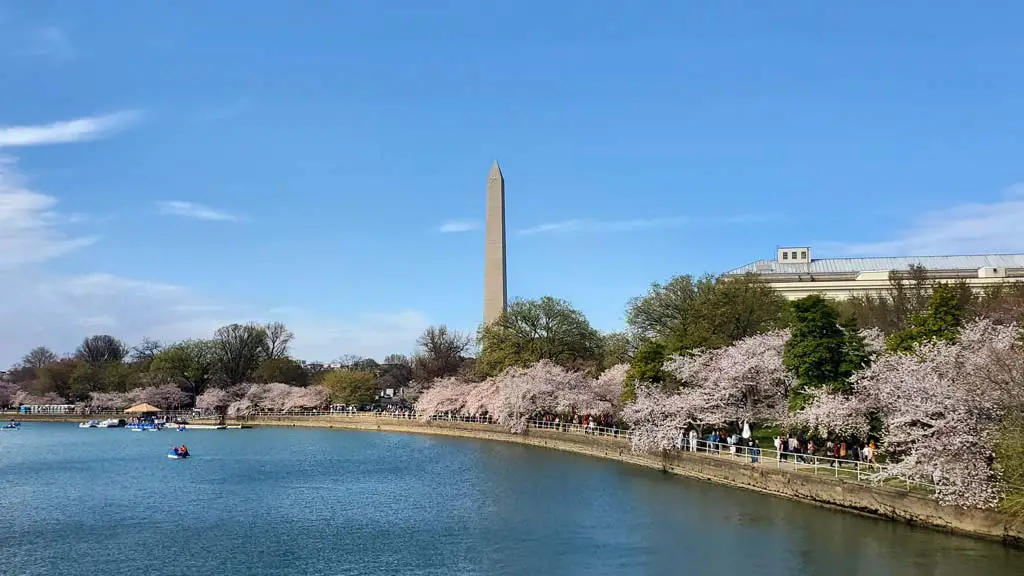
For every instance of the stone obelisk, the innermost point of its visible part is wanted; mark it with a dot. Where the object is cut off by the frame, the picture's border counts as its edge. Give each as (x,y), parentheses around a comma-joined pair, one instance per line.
(495,287)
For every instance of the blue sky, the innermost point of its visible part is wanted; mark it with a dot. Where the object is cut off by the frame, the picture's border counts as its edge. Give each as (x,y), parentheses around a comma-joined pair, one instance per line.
(169,167)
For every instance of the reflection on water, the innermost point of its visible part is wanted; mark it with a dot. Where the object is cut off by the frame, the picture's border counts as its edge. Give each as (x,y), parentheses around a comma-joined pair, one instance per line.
(294,501)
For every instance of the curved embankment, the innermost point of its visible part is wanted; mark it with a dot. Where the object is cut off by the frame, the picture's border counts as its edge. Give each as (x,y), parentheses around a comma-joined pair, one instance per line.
(879,501)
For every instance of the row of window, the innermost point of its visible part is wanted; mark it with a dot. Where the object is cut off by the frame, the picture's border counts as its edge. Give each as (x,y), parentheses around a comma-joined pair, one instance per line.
(786,255)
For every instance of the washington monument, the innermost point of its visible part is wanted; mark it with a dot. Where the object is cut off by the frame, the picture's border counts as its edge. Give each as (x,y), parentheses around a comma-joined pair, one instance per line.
(495,287)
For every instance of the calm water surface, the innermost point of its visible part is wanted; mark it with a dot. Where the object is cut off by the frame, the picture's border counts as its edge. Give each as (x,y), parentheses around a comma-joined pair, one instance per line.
(294,501)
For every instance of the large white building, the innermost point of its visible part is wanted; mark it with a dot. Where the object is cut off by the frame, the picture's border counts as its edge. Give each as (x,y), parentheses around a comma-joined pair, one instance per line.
(796,274)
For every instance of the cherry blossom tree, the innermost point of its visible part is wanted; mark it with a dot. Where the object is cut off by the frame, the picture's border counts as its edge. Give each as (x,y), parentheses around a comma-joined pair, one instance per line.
(445,395)
(874,341)
(941,404)
(830,413)
(306,398)
(217,399)
(7,392)
(484,398)
(109,400)
(658,418)
(742,382)
(603,394)
(27,398)
(164,396)
(541,388)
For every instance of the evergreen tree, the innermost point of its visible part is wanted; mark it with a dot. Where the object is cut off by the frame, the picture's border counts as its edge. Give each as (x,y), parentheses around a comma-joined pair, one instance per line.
(942,321)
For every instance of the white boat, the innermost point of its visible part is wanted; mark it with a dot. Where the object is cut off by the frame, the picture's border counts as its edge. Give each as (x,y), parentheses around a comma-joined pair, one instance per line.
(111,423)
(90,424)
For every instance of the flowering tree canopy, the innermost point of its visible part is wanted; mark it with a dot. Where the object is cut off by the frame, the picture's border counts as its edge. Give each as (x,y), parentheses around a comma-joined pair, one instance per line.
(27,398)
(109,400)
(657,418)
(7,392)
(165,396)
(941,403)
(742,382)
(215,399)
(518,394)
(445,395)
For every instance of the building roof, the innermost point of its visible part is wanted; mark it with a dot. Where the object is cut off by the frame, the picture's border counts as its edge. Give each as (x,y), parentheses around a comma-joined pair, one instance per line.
(858,265)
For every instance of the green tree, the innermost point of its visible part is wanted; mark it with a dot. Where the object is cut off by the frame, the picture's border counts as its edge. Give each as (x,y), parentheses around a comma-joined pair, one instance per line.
(192,363)
(646,366)
(616,348)
(350,386)
(85,378)
(857,355)
(816,352)
(534,330)
(115,377)
(283,370)
(942,321)
(689,313)
(56,377)
(239,349)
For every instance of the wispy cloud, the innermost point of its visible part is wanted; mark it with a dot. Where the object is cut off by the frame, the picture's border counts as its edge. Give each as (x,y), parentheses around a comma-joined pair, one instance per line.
(195,211)
(29,226)
(971,228)
(453,226)
(635,224)
(77,130)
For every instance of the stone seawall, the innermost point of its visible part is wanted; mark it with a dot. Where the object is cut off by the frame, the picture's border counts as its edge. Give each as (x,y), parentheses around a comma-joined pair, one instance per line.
(878,501)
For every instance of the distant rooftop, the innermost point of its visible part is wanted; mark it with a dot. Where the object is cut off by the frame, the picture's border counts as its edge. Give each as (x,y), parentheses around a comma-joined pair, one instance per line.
(858,265)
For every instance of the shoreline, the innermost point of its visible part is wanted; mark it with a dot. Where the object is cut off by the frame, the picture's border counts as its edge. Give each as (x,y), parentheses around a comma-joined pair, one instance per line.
(836,493)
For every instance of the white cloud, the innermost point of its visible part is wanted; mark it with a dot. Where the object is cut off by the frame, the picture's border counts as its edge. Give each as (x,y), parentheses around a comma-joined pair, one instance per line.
(972,228)
(196,211)
(29,229)
(77,130)
(42,308)
(453,226)
(635,224)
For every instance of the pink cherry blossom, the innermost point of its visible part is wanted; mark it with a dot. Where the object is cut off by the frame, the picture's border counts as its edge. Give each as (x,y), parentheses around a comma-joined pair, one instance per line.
(444,395)
(7,392)
(28,399)
(833,414)
(215,399)
(657,418)
(164,396)
(109,400)
(307,398)
(941,404)
(742,382)
(483,398)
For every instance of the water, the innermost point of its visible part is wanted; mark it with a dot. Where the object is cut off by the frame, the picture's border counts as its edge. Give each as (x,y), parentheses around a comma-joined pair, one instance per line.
(308,501)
